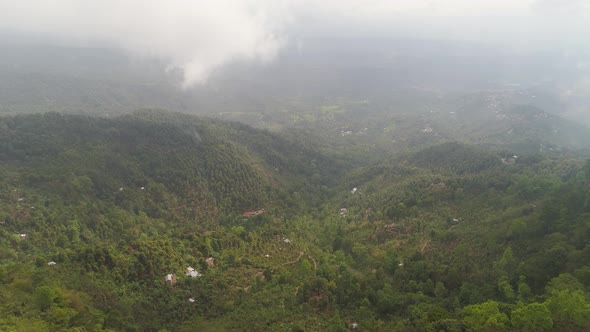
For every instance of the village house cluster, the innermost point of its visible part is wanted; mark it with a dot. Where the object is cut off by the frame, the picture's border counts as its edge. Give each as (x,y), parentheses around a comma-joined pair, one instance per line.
(171,279)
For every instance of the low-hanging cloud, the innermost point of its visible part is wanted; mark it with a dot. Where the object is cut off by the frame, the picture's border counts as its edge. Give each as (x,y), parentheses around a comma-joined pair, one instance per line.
(195,36)
(199,36)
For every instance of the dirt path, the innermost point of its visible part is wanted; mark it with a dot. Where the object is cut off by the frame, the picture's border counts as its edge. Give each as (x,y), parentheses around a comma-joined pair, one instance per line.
(295,261)
(315,265)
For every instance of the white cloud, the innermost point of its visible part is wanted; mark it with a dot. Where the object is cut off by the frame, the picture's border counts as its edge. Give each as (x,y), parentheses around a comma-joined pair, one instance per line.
(199,36)
(196,36)
(561,7)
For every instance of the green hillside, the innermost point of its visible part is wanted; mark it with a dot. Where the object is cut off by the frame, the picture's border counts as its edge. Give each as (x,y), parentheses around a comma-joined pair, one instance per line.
(96,212)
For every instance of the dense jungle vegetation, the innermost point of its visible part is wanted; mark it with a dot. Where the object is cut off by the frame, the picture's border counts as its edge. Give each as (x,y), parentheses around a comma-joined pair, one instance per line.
(96,212)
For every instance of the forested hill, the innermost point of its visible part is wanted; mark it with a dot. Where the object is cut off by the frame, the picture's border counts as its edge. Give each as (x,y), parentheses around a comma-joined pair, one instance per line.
(500,239)
(205,164)
(95,213)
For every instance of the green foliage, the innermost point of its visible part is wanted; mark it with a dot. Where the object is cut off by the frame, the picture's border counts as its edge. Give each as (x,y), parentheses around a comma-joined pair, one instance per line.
(45,297)
(506,289)
(564,281)
(524,291)
(485,316)
(532,317)
(448,238)
(570,309)
(456,157)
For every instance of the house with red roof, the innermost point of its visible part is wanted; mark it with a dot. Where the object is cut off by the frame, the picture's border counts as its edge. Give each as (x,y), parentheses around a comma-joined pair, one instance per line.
(252,213)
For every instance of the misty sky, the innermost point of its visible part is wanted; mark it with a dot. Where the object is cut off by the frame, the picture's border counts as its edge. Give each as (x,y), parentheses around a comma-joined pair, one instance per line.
(199,36)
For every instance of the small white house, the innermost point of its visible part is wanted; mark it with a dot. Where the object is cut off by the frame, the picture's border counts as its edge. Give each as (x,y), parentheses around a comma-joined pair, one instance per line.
(170,279)
(190,272)
(210,261)
(343,212)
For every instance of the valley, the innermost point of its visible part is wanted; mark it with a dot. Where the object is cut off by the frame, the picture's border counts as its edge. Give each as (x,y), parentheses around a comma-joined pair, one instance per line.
(442,234)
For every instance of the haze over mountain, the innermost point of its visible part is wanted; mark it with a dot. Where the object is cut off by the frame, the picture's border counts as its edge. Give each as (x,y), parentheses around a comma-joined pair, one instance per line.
(287,165)
(250,49)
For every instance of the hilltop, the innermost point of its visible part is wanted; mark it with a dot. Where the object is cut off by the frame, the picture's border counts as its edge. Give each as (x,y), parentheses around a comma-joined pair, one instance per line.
(202,162)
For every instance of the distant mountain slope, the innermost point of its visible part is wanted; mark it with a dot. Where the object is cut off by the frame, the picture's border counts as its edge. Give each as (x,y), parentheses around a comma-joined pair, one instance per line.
(490,120)
(455,157)
(530,124)
(202,163)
